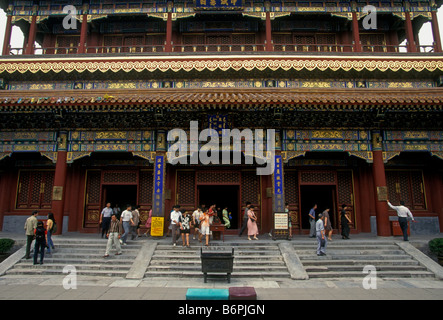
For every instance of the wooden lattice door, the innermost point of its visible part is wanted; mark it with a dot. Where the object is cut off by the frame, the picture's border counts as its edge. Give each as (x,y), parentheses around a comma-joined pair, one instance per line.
(93,196)
(250,192)
(345,194)
(145,191)
(185,194)
(291,197)
(35,190)
(406,186)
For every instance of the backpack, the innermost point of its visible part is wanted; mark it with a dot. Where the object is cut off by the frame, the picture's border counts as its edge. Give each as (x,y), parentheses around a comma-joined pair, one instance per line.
(40,234)
(54,228)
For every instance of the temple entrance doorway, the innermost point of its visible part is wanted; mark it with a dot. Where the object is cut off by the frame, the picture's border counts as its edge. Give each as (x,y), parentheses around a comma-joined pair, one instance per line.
(222,196)
(322,195)
(121,195)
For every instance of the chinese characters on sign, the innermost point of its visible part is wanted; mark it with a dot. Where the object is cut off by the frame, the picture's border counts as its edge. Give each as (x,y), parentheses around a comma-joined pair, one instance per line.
(219,4)
(278,184)
(157,208)
(281,221)
(218,123)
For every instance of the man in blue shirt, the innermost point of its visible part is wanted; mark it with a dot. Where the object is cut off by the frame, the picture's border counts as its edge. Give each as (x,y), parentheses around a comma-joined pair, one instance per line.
(312,233)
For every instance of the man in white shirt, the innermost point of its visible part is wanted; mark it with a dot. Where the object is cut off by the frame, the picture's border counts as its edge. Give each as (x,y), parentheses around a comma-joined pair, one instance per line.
(402,213)
(105,218)
(175,225)
(320,233)
(126,219)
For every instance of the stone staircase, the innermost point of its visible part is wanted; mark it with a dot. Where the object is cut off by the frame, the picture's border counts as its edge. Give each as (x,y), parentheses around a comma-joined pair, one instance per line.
(251,260)
(348,258)
(85,254)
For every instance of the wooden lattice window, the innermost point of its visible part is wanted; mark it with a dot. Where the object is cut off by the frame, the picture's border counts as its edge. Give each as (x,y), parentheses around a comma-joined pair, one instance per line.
(317,177)
(35,190)
(122,177)
(407,186)
(67,44)
(186,188)
(145,188)
(218,177)
(373,42)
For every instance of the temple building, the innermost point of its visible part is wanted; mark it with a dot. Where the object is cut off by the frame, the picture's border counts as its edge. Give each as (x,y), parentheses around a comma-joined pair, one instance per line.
(88,101)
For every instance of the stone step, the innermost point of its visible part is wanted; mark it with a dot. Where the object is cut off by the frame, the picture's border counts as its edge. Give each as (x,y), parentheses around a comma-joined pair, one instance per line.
(350,246)
(227,247)
(308,263)
(60,266)
(346,243)
(380,274)
(198,262)
(112,259)
(236,252)
(199,274)
(179,267)
(52,271)
(354,257)
(343,268)
(335,251)
(98,255)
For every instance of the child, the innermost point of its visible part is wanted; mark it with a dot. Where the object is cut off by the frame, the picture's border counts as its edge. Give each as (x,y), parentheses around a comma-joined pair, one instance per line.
(40,242)
(185,227)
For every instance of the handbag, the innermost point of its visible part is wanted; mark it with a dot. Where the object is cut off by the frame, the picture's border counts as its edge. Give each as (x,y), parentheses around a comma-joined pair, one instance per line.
(322,242)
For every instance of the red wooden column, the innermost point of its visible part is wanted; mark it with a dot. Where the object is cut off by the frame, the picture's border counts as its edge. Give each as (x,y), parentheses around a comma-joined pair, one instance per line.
(83,34)
(7,39)
(168,45)
(58,191)
(31,36)
(409,33)
(378,173)
(356,32)
(268,46)
(435,32)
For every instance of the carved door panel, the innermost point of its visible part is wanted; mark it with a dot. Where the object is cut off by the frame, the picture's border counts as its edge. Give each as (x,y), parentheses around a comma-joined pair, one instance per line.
(345,195)
(291,197)
(145,190)
(93,196)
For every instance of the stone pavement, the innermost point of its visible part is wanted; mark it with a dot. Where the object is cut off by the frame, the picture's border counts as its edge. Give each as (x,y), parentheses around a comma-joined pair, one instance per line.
(51,287)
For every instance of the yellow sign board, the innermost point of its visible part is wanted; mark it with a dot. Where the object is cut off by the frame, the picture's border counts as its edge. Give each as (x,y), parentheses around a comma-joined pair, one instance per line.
(157,226)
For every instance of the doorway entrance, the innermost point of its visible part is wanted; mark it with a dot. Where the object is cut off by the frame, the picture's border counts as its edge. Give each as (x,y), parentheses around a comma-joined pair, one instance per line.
(222,196)
(322,195)
(121,195)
